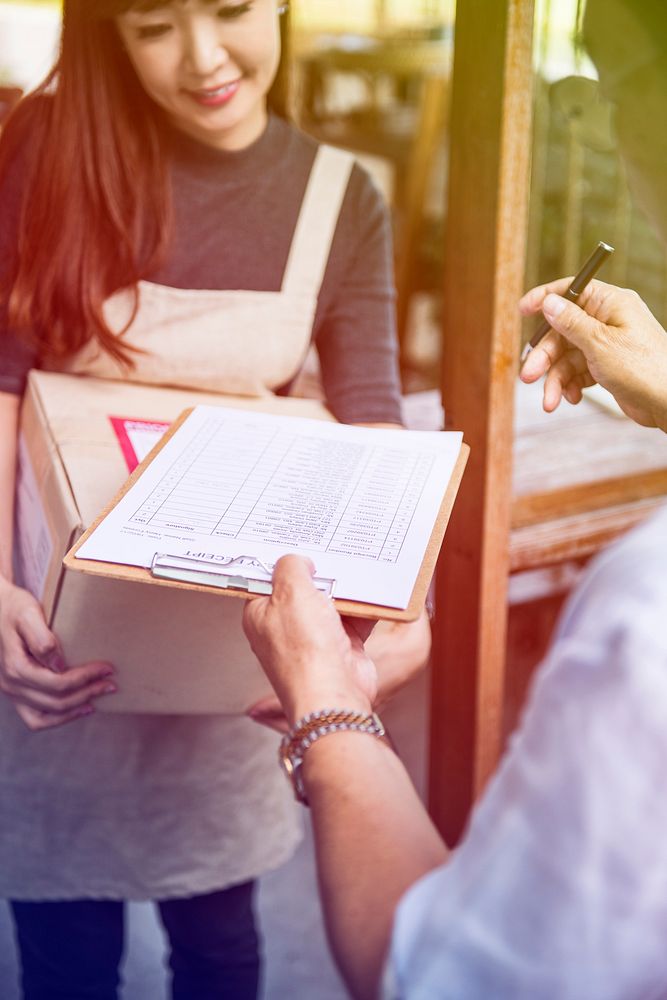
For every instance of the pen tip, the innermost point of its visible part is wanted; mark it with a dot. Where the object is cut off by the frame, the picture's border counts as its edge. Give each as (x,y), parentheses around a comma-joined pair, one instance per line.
(525,352)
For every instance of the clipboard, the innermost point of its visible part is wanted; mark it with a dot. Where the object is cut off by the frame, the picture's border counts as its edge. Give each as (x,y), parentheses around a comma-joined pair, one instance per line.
(228,577)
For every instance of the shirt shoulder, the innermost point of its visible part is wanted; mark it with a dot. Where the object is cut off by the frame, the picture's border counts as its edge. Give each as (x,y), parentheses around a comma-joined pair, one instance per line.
(363,205)
(624,592)
(363,196)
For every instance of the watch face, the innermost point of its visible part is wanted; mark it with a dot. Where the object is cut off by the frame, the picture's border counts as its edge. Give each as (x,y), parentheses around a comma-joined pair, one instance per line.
(288,767)
(292,769)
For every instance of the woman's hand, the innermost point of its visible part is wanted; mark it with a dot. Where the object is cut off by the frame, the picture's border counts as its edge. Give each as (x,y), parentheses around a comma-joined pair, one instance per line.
(400,651)
(609,336)
(45,691)
(312,657)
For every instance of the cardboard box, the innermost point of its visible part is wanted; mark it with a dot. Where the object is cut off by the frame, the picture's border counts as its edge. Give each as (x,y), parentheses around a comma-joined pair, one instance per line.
(175,651)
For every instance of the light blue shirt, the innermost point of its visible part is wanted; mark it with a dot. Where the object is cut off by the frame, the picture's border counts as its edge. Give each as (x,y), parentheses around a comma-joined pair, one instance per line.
(559,889)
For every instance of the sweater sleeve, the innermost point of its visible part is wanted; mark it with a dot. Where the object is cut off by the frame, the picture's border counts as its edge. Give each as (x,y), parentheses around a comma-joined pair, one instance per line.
(16,358)
(355,326)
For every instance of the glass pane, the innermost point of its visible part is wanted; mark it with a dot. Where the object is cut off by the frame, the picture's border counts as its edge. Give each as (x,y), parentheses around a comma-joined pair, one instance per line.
(368,15)
(579,190)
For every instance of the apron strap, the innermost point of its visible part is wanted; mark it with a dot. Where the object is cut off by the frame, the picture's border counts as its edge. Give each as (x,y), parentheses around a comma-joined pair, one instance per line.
(317,221)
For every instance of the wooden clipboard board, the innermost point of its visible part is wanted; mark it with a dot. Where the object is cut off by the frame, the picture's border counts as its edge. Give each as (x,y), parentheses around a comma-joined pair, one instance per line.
(136,574)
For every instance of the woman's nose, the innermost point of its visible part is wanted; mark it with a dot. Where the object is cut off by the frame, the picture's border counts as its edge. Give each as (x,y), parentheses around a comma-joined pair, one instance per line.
(205,51)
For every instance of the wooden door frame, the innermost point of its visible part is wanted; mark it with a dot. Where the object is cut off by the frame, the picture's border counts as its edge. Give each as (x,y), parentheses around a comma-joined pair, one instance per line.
(487,218)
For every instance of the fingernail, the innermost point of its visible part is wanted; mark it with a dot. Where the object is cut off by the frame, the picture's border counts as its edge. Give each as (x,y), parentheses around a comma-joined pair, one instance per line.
(54,661)
(86,710)
(109,689)
(553,305)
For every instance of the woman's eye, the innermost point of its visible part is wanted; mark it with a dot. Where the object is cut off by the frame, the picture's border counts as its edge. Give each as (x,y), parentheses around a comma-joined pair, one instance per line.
(152,31)
(231,11)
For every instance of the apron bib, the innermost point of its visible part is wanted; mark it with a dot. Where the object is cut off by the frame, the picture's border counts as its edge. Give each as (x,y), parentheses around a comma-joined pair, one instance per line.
(244,343)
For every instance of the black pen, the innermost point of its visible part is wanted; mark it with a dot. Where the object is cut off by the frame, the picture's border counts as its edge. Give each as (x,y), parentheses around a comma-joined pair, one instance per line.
(579,282)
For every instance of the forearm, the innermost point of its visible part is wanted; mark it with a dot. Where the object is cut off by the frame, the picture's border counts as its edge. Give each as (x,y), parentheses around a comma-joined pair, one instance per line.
(373,839)
(9,413)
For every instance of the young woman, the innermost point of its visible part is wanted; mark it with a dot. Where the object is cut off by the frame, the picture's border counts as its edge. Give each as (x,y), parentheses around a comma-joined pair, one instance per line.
(161,223)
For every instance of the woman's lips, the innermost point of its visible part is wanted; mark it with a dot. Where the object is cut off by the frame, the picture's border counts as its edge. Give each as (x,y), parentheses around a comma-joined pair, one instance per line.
(215,97)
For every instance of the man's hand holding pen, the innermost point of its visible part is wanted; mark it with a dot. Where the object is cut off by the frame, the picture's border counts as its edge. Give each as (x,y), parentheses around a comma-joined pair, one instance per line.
(609,336)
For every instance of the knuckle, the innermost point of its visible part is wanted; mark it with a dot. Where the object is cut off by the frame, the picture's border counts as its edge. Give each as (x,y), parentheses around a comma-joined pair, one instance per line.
(12,672)
(63,684)
(569,319)
(68,703)
(43,646)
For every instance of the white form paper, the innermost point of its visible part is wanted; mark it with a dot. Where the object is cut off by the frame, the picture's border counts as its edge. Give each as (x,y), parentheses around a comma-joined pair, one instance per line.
(360,502)
(144,436)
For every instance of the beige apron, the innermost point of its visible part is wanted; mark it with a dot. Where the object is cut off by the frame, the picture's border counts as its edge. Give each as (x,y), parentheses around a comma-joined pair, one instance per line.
(145,807)
(239,342)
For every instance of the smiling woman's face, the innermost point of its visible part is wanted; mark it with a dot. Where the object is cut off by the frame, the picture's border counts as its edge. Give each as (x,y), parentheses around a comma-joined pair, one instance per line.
(208,65)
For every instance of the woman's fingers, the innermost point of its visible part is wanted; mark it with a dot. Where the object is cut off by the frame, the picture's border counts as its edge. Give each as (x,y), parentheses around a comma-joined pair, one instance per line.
(20,670)
(32,686)
(269,712)
(31,627)
(58,703)
(38,721)
(358,629)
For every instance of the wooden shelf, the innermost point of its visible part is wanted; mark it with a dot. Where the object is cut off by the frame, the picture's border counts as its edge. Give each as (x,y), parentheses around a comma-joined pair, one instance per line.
(582,476)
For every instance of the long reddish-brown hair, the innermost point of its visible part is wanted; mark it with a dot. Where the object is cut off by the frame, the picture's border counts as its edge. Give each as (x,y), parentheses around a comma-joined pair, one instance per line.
(95,212)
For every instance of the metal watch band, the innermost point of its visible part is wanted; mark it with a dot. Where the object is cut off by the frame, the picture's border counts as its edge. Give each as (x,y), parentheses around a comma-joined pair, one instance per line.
(313,727)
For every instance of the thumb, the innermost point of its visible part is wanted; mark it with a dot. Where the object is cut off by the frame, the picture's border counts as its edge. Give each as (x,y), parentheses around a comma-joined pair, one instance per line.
(41,642)
(571,321)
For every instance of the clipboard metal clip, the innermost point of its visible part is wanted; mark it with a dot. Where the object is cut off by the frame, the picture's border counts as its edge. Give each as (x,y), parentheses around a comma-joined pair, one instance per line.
(247,573)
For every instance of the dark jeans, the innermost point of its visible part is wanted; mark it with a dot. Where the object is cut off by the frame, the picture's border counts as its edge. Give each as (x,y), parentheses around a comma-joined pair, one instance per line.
(71,950)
